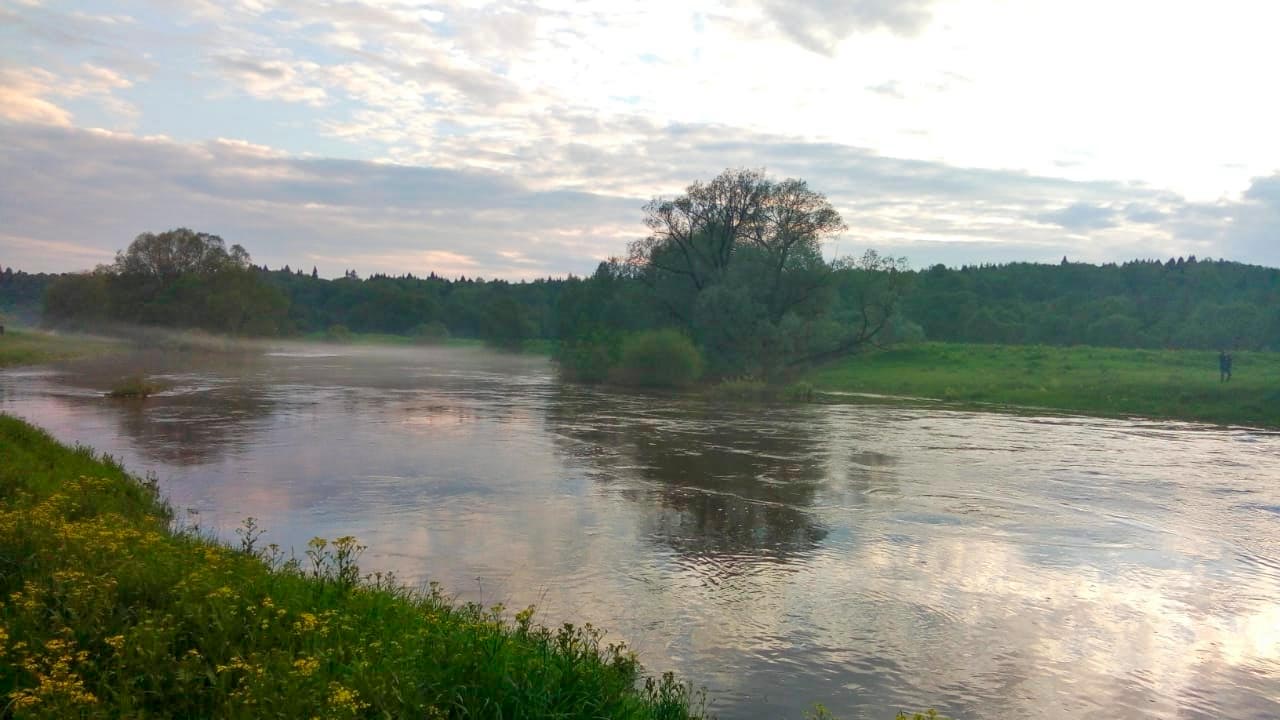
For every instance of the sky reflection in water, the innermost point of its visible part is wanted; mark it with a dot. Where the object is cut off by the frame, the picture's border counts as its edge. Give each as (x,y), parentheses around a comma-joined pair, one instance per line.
(868,557)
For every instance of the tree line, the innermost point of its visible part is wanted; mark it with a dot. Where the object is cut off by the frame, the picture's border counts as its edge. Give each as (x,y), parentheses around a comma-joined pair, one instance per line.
(731,271)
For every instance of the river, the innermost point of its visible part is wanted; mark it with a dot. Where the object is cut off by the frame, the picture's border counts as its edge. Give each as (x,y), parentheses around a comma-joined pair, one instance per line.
(867,556)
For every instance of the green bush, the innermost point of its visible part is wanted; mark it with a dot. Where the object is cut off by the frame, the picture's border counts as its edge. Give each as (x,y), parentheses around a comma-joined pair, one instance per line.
(430,333)
(338,334)
(799,392)
(743,389)
(588,361)
(658,358)
(135,386)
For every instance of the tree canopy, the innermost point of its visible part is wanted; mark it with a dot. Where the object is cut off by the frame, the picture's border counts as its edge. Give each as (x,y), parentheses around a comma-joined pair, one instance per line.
(738,263)
(179,252)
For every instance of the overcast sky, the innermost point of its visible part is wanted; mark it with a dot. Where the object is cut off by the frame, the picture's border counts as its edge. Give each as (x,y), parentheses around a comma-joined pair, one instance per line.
(520,139)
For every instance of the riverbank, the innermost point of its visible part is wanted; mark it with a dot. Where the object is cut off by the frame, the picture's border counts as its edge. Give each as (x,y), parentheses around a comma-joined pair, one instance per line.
(1169,384)
(111,612)
(34,347)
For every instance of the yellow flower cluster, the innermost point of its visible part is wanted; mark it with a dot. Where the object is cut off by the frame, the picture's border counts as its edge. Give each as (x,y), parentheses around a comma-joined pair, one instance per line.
(344,699)
(57,685)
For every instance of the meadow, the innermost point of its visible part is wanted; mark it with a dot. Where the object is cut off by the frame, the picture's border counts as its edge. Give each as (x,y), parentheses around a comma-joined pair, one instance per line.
(1113,382)
(32,347)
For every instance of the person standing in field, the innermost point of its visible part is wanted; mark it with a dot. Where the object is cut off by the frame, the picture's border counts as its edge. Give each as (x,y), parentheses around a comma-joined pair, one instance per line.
(1224,367)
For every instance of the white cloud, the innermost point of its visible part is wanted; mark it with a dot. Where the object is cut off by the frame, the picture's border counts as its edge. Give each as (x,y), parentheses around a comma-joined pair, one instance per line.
(949,128)
(27,94)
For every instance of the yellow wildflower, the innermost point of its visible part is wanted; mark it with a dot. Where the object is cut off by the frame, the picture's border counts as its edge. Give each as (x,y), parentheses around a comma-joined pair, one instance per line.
(344,698)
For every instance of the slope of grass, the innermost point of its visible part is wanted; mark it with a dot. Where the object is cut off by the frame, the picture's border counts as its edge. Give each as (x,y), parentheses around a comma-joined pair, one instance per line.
(1178,384)
(31,347)
(105,611)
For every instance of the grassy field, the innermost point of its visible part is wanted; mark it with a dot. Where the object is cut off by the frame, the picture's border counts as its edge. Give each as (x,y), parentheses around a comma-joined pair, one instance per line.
(1178,384)
(108,612)
(32,347)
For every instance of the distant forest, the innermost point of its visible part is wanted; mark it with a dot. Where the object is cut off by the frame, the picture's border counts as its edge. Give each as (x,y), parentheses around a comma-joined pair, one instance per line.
(730,282)
(1145,303)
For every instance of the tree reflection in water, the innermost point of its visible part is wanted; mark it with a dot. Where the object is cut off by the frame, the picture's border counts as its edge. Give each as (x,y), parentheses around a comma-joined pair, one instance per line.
(710,481)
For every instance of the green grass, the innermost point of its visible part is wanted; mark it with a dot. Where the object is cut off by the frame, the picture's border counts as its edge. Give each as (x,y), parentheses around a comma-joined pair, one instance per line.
(107,611)
(31,347)
(1176,384)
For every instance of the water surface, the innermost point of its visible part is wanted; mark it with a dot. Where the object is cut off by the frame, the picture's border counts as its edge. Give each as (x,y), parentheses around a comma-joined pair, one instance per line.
(871,557)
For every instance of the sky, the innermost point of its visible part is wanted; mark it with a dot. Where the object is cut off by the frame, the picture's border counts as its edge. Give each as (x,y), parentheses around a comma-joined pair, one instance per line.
(521,139)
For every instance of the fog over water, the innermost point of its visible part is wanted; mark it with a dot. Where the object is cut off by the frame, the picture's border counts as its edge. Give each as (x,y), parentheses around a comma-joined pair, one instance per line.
(867,556)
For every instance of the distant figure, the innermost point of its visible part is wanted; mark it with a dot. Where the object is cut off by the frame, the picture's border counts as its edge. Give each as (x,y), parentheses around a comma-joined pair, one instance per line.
(1224,367)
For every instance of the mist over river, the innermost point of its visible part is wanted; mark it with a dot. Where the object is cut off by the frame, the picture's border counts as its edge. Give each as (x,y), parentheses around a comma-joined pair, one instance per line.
(867,556)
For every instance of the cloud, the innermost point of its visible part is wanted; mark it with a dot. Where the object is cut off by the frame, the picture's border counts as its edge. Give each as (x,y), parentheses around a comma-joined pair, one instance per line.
(376,217)
(1255,228)
(821,25)
(22,98)
(26,94)
(388,217)
(1082,216)
(289,81)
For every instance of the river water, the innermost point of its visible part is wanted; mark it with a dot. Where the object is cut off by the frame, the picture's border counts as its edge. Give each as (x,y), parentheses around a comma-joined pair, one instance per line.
(867,556)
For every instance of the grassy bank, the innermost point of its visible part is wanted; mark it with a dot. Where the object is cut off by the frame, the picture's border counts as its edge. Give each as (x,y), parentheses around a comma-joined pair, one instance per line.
(32,347)
(1179,384)
(108,612)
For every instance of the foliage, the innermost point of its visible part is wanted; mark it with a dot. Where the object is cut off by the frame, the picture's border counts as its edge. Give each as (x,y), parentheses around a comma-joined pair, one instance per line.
(658,358)
(737,262)
(591,359)
(431,333)
(337,334)
(741,389)
(752,389)
(135,386)
(178,278)
(109,613)
(801,391)
(179,252)
(1098,381)
(1179,303)
(768,308)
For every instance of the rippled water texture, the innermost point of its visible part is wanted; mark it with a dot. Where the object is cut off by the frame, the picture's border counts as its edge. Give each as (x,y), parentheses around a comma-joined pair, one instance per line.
(871,557)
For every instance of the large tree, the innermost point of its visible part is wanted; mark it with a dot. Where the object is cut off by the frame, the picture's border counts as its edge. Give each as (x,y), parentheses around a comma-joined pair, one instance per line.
(178,252)
(738,260)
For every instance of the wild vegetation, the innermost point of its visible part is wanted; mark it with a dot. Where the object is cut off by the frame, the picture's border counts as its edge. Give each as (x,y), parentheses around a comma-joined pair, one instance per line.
(1178,303)
(1181,384)
(734,267)
(109,612)
(135,387)
(29,347)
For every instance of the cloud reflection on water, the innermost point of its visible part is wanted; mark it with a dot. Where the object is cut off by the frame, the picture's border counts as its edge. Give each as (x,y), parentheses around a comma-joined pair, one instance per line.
(869,557)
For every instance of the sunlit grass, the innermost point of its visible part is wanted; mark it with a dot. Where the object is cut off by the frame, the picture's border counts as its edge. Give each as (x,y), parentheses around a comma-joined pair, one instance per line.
(1182,384)
(107,611)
